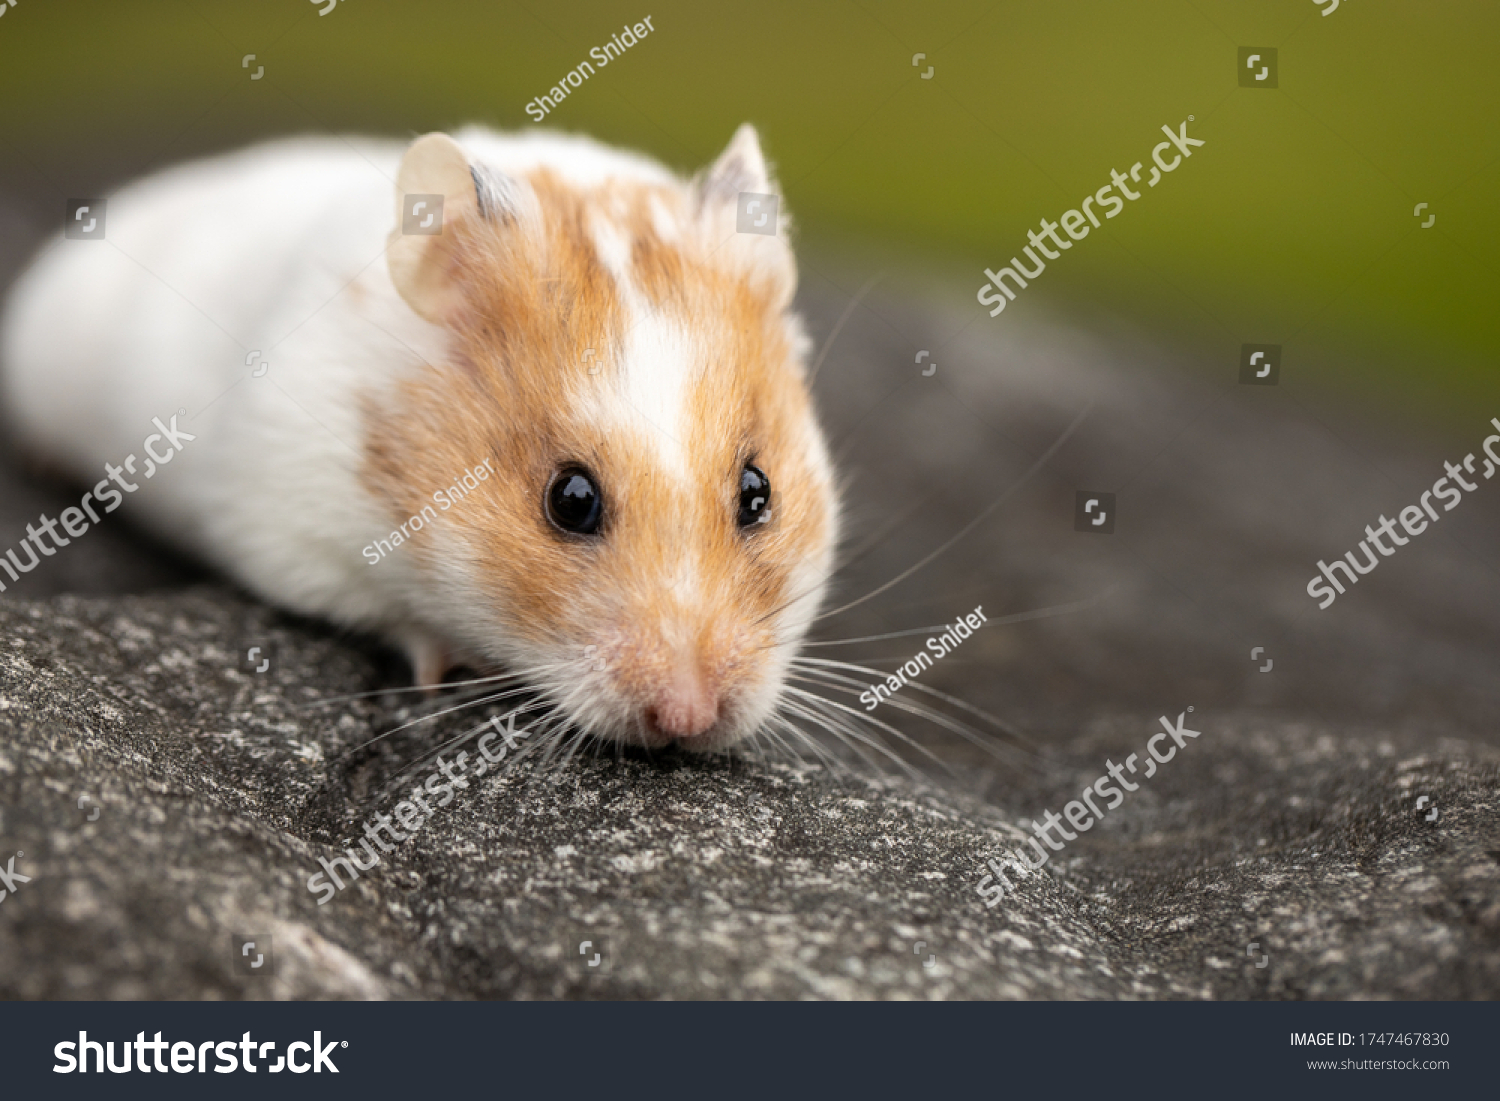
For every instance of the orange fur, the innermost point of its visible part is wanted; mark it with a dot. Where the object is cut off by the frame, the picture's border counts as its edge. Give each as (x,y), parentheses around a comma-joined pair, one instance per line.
(535,295)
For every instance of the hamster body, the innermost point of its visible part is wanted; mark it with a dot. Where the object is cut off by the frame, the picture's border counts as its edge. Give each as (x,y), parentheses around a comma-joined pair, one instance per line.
(517,401)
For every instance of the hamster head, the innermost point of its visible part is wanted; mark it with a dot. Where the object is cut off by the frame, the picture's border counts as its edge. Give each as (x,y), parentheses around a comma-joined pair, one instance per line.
(660,529)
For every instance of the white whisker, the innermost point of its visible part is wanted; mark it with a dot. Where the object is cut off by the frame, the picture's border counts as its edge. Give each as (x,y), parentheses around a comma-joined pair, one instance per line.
(432,752)
(823,752)
(494,679)
(821,722)
(466,705)
(999,621)
(810,709)
(999,724)
(862,717)
(838,327)
(972,524)
(974,737)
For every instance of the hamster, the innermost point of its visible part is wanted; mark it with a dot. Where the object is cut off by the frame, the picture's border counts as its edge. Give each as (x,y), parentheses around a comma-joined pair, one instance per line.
(516,401)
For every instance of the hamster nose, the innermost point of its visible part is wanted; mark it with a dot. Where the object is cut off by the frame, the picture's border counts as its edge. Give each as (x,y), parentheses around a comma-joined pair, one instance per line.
(684,705)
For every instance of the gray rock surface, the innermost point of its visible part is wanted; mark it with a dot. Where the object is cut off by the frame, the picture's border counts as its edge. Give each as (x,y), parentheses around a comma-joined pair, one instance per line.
(217,794)
(1291,822)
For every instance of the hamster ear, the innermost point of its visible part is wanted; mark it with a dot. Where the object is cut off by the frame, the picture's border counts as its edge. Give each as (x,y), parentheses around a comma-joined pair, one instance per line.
(741,167)
(763,252)
(437,188)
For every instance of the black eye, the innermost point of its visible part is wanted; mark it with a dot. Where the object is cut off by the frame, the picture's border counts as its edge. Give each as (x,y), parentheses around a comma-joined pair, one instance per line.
(755,496)
(573,502)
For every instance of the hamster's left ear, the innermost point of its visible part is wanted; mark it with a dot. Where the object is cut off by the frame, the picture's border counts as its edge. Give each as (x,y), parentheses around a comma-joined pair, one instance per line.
(741,167)
(438,190)
(755,235)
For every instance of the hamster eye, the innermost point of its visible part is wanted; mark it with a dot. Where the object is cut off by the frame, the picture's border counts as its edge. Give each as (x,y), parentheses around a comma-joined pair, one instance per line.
(573,502)
(755,496)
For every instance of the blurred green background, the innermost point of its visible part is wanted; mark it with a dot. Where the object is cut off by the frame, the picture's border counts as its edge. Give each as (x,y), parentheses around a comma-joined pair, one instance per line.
(1293,225)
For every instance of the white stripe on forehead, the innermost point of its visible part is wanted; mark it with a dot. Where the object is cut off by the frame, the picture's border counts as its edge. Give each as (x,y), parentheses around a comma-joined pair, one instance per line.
(655,371)
(644,393)
(647,389)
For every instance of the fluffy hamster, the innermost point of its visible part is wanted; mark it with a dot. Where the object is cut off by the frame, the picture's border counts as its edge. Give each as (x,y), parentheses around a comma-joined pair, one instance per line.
(556,367)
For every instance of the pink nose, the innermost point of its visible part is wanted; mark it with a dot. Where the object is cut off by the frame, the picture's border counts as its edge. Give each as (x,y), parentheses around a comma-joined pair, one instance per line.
(685,705)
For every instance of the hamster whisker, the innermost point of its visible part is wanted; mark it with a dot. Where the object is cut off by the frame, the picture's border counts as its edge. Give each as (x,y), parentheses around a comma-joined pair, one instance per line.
(773,741)
(853,686)
(979,739)
(1016,736)
(427,755)
(459,739)
(548,764)
(494,679)
(874,638)
(979,518)
(861,716)
(577,743)
(838,326)
(572,701)
(859,742)
(437,715)
(549,732)
(999,621)
(813,708)
(822,751)
(983,514)
(764,743)
(539,728)
(473,698)
(874,539)
(858,751)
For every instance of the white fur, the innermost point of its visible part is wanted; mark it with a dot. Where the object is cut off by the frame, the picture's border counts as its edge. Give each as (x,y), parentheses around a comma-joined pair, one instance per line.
(203,264)
(658,371)
(280,249)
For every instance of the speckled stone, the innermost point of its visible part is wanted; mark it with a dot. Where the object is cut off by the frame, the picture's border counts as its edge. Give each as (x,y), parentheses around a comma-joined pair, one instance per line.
(1291,823)
(218,789)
